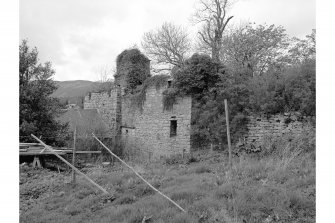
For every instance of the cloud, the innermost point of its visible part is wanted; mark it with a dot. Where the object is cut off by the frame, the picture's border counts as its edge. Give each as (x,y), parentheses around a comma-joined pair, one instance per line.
(297,17)
(81,36)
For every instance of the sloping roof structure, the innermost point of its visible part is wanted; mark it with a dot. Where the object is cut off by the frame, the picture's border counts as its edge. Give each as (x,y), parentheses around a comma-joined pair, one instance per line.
(87,121)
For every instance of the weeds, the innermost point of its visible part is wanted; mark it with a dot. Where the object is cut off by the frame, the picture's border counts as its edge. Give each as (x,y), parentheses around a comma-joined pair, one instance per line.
(201,169)
(279,186)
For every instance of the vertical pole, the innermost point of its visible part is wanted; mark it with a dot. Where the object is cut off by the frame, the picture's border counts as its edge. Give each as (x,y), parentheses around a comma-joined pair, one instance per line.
(74,156)
(228,131)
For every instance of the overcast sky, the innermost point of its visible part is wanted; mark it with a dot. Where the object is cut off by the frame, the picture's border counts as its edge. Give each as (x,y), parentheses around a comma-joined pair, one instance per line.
(80,37)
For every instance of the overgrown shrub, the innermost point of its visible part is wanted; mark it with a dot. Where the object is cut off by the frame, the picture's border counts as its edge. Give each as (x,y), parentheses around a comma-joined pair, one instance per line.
(291,90)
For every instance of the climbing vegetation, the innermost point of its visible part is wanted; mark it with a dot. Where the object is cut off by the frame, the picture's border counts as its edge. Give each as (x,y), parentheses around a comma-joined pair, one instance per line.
(133,66)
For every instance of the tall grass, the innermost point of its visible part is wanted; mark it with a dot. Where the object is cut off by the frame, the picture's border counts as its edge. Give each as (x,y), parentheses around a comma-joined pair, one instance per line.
(277,186)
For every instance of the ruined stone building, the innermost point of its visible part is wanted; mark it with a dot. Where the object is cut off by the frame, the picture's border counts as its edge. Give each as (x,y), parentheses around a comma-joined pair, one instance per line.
(149,127)
(144,124)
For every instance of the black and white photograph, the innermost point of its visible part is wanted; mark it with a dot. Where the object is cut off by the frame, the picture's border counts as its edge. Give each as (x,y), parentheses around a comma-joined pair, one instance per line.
(167,111)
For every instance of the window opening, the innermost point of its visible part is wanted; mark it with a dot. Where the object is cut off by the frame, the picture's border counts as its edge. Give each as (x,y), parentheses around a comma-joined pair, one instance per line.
(173,128)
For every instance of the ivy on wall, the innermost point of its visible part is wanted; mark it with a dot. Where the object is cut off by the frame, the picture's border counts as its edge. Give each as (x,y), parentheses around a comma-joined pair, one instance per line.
(138,96)
(133,67)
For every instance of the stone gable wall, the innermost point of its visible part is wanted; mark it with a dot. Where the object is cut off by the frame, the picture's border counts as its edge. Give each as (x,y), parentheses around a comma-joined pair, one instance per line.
(105,103)
(150,128)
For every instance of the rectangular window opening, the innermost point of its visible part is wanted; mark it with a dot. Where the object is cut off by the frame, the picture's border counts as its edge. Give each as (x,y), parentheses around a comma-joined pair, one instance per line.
(169,84)
(173,128)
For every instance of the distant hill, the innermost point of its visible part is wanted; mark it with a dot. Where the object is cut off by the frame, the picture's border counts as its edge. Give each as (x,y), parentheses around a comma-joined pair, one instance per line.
(73,92)
(76,88)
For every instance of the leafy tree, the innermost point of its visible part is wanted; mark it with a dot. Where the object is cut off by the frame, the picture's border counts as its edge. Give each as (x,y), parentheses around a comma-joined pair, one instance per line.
(198,75)
(303,49)
(208,83)
(210,124)
(38,111)
(300,91)
(290,90)
(255,48)
(213,14)
(168,45)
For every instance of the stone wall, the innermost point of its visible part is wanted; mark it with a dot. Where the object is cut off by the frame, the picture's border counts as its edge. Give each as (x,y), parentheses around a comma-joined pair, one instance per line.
(261,125)
(150,128)
(106,104)
(147,129)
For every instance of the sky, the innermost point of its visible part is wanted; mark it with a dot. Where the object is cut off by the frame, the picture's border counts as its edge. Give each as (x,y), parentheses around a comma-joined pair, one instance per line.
(83,37)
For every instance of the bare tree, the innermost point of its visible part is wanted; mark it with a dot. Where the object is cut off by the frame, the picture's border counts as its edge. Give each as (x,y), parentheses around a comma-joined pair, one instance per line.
(214,16)
(104,73)
(167,45)
(105,80)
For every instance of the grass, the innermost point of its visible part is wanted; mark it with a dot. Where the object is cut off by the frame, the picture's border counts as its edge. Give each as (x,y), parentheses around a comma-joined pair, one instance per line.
(269,188)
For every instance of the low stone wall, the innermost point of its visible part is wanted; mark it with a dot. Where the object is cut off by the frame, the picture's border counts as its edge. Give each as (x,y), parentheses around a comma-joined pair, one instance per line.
(261,125)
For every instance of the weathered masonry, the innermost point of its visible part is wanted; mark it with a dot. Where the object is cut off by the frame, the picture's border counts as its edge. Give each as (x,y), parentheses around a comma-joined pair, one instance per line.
(292,122)
(154,130)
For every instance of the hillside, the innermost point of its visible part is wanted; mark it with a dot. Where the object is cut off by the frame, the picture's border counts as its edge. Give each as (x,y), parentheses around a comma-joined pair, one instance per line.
(76,88)
(73,92)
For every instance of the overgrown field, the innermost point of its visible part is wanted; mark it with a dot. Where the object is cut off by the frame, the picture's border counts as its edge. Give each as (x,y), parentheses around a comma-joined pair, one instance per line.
(277,186)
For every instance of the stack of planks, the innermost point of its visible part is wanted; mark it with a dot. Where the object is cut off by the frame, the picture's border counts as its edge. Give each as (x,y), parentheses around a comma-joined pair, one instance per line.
(36,149)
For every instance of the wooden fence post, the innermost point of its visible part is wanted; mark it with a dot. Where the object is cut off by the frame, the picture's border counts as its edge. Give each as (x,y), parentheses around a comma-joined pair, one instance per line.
(228,131)
(74,156)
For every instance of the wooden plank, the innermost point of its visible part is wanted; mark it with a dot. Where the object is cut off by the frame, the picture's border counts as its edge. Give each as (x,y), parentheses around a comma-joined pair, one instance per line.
(29,144)
(60,152)
(39,154)
(78,171)
(83,152)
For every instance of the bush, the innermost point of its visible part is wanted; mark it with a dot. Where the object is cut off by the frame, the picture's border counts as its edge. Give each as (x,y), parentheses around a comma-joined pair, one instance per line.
(291,90)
